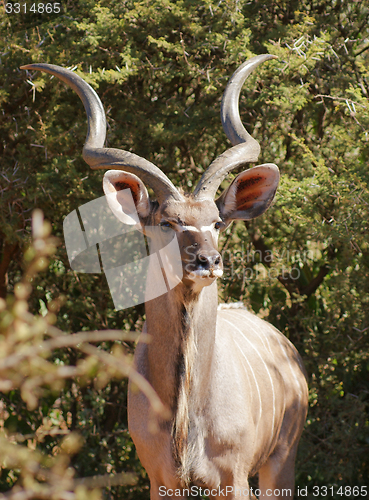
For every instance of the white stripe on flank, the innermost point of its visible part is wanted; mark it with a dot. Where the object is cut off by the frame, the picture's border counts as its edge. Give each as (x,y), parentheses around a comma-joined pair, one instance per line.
(247,374)
(256,383)
(271,352)
(250,319)
(265,366)
(294,376)
(292,370)
(282,349)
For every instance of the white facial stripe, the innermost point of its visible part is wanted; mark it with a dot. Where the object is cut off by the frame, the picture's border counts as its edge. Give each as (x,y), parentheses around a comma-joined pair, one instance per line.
(181,228)
(202,229)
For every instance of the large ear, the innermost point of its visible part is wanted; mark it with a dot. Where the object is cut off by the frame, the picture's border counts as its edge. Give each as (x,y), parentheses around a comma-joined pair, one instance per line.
(127,196)
(250,193)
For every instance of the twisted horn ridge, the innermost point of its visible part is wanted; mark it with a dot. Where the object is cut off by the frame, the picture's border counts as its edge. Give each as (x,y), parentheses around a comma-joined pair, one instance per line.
(245,148)
(94,153)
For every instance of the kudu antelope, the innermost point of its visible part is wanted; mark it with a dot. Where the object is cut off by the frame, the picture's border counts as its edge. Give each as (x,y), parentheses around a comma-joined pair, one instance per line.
(234,384)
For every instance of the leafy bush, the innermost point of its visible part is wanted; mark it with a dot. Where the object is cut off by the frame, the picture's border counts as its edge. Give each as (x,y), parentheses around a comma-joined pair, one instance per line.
(160,69)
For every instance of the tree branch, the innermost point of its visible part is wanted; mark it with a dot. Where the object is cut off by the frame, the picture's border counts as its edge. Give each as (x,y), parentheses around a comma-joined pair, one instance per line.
(7,255)
(291,285)
(315,282)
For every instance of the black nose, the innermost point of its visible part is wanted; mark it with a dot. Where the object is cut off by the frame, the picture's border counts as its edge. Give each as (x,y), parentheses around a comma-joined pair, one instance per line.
(206,261)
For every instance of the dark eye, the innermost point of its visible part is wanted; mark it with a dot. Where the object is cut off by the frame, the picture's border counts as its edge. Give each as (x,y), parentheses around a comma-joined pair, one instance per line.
(165,226)
(218,225)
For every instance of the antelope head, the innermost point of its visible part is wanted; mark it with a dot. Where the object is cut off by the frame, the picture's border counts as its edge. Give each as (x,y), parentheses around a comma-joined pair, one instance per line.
(196,218)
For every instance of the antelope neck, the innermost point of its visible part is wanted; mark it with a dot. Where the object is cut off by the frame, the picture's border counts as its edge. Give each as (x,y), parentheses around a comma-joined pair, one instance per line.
(182,325)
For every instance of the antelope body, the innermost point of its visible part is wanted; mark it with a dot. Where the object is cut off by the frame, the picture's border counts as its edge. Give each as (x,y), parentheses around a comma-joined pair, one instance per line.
(234,384)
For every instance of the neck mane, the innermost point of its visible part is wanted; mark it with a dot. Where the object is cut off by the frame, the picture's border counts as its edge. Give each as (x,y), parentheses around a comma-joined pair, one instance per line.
(182,325)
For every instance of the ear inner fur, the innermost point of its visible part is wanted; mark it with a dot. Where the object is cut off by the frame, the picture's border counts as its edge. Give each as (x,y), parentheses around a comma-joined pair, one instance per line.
(244,202)
(120,185)
(250,193)
(251,181)
(117,180)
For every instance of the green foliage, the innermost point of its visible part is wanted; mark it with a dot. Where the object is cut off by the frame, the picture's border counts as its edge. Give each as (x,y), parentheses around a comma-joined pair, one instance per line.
(160,69)
(41,431)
